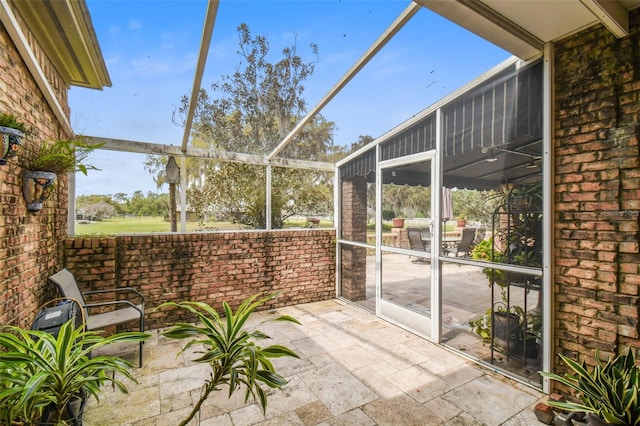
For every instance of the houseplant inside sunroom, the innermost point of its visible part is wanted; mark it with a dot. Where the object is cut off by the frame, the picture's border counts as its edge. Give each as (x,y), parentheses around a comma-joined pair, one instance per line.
(12,132)
(45,379)
(51,159)
(230,349)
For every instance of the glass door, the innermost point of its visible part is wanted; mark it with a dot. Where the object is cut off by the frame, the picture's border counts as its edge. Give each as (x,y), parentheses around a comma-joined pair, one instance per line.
(404,255)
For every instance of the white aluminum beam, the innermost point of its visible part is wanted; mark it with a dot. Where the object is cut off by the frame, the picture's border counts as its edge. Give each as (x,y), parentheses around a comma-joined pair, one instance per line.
(207,33)
(400,21)
(613,15)
(160,149)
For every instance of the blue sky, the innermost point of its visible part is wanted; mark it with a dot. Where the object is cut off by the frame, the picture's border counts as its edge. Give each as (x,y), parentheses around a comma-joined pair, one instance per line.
(151,47)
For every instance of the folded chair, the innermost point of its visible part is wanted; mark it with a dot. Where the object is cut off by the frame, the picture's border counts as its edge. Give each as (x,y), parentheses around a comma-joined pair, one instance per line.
(126,310)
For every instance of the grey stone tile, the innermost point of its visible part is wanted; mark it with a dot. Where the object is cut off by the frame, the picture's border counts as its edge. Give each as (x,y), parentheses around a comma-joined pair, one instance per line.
(378,383)
(400,410)
(351,418)
(419,384)
(337,389)
(355,356)
(314,413)
(490,400)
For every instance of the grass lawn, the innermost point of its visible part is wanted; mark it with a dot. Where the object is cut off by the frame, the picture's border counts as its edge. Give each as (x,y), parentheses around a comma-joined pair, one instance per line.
(142,225)
(139,225)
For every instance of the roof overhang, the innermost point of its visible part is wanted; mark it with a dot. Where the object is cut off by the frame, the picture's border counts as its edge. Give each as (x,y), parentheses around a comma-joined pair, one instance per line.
(64,30)
(522,27)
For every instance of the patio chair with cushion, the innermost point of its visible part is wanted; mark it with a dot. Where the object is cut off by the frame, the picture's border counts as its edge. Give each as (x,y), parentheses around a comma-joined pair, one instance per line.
(125,309)
(465,244)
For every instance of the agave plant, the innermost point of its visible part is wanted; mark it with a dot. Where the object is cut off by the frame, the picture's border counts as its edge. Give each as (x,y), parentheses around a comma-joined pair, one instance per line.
(230,350)
(609,390)
(42,374)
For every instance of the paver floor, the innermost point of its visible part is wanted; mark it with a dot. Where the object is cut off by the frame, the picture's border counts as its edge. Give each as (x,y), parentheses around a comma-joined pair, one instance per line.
(354,369)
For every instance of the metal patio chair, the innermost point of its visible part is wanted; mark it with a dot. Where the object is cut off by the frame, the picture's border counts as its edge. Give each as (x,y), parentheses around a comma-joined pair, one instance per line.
(464,246)
(417,243)
(125,309)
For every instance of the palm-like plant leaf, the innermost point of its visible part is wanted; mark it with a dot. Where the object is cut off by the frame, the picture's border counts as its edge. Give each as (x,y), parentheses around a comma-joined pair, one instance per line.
(55,369)
(609,390)
(230,349)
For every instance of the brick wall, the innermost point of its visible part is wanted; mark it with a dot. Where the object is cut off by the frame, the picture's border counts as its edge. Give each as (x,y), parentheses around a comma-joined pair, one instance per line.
(353,260)
(208,267)
(597,193)
(30,244)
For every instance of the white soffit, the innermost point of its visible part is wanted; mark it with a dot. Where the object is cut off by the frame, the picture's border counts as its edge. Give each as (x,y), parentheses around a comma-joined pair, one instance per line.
(522,26)
(548,20)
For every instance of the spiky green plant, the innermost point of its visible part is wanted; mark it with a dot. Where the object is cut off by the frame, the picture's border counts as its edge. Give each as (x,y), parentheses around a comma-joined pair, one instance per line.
(63,156)
(38,369)
(609,390)
(8,120)
(230,350)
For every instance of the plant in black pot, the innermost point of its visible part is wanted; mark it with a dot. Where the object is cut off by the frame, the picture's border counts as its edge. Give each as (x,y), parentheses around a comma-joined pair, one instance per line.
(12,131)
(53,158)
(45,379)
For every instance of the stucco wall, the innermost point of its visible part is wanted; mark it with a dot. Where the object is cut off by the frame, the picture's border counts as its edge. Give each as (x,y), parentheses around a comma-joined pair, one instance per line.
(597,193)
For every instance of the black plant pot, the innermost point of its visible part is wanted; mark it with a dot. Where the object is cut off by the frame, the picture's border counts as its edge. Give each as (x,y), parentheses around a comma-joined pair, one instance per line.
(36,188)
(71,413)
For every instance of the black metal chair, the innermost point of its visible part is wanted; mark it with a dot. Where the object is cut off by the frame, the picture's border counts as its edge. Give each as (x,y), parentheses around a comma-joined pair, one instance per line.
(417,243)
(126,311)
(464,246)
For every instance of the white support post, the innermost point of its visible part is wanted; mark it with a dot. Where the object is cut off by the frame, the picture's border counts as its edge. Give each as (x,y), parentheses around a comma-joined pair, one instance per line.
(268,198)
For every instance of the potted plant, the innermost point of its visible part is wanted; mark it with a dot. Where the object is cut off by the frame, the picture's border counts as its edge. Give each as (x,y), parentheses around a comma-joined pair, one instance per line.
(45,379)
(397,222)
(608,392)
(12,132)
(230,350)
(52,159)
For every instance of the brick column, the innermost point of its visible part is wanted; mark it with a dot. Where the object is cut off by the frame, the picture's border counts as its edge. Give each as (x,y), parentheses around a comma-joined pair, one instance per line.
(597,194)
(354,228)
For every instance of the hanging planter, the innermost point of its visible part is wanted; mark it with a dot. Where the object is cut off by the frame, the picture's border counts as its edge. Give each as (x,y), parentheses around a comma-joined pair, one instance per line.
(12,132)
(36,188)
(52,159)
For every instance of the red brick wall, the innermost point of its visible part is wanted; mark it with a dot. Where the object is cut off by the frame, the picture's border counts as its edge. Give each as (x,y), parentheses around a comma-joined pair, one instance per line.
(30,244)
(597,193)
(208,267)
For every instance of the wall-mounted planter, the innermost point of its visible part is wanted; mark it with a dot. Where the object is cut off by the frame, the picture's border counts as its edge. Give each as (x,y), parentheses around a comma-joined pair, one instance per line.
(10,143)
(36,187)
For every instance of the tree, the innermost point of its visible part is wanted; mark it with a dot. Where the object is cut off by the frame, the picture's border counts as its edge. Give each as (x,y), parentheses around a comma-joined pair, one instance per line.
(99,211)
(251,112)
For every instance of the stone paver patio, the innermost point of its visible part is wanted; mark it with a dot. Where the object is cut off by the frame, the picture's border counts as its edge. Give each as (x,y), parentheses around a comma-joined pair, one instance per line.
(355,369)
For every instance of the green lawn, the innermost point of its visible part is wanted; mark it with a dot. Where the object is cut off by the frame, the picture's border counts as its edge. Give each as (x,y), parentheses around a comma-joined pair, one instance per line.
(139,225)
(142,225)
